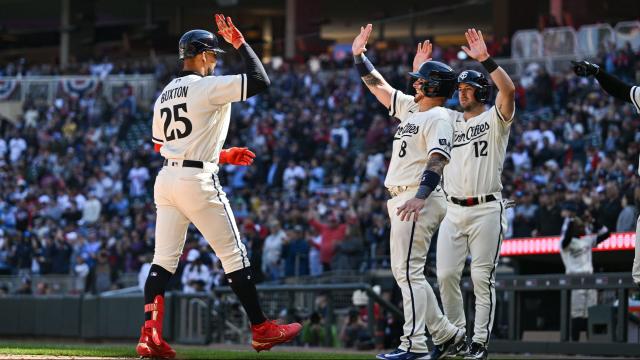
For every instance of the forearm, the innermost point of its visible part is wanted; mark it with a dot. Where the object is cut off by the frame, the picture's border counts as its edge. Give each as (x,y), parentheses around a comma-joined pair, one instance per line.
(373,79)
(431,175)
(257,78)
(614,86)
(505,99)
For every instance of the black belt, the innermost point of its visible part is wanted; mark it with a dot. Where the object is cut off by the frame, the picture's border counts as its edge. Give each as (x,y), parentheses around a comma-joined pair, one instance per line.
(188,163)
(471,201)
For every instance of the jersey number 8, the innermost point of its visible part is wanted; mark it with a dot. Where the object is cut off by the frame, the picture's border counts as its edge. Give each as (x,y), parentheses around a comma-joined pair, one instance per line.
(175,133)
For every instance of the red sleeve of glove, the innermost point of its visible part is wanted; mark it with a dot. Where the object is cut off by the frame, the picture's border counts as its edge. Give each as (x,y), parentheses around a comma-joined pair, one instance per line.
(222,159)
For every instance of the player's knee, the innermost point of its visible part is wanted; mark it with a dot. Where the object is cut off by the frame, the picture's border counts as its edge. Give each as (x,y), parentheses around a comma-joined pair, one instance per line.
(399,273)
(480,279)
(447,275)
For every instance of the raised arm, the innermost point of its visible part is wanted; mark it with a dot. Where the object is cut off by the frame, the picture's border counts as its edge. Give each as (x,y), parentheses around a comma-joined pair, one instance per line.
(477,50)
(371,77)
(257,78)
(612,85)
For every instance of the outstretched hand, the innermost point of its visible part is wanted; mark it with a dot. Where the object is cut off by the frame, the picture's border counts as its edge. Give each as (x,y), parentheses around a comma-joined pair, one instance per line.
(423,54)
(229,31)
(477,49)
(360,42)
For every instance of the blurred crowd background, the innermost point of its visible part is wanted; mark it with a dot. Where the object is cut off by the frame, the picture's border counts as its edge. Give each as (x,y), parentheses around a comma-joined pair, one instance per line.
(77,188)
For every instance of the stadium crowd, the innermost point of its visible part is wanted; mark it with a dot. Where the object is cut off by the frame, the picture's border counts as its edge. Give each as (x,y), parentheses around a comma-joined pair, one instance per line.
(76,199)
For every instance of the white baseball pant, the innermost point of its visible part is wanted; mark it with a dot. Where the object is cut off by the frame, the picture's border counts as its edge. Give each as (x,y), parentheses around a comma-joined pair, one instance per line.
(409,246)
(186,195)
(477,230)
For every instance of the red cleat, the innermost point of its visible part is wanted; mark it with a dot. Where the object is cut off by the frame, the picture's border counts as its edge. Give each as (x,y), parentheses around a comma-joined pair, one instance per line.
(147,348)
(268,334)
(151,344)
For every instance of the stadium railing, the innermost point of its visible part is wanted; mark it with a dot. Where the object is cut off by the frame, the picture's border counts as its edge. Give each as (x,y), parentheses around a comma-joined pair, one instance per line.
(49,87)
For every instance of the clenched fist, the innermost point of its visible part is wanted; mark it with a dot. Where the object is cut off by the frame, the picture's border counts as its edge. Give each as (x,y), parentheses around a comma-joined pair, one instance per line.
(236,156)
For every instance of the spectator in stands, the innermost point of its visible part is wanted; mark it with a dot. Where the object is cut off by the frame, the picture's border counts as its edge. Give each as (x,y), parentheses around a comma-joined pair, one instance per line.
(196,277)
(331,234)
(272,251)
(91,209)
(81,271)
(629,214)
(295,252)
(313,331)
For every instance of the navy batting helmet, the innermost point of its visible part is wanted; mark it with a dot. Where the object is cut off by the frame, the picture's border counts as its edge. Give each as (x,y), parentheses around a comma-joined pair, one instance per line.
(194,42)
(478,81)
(440,80)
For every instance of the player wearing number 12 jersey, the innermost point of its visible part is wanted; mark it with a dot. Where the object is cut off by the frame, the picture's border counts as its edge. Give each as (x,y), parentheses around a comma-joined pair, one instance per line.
(475,220)
(190,122)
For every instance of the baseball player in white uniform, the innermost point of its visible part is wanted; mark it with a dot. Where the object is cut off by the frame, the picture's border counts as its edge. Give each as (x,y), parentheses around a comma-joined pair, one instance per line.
(576,243)
(475,220)
(190,123)
(626,93)
(420,150)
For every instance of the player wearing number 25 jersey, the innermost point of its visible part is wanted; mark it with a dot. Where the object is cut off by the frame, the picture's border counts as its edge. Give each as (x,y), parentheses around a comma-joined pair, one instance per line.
(190,123)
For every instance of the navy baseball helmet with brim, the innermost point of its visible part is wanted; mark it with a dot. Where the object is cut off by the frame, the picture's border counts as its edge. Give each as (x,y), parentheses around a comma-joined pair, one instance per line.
(194,42)
(440,79)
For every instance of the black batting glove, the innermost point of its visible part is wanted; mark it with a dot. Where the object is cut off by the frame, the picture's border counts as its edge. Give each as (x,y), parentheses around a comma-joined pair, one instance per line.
(585,68)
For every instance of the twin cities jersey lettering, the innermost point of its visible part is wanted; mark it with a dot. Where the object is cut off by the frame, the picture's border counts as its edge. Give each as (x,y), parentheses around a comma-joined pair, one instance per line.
(191,115)
(477,154)
(418,136)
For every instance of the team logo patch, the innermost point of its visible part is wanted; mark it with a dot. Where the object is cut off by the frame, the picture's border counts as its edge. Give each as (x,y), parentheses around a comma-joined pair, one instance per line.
(463,75)
(443,142)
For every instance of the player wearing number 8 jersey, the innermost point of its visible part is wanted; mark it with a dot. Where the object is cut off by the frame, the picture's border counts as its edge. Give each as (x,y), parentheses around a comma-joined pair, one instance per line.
(190,122)
(475,220)
(421,147)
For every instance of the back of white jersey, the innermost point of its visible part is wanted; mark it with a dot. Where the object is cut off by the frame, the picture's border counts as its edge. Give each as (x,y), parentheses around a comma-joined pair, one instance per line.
(418,136)
(477,154)
(634,94)
(191,115)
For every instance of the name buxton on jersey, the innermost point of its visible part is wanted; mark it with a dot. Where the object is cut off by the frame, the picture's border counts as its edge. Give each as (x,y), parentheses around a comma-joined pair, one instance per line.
(474,132)
(180,91)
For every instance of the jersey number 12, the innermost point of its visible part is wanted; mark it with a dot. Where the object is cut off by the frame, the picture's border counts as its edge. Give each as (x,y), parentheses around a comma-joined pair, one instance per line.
(175,133)
(480,148)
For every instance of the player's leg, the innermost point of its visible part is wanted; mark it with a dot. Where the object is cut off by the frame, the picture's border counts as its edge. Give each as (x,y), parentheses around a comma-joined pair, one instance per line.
(171,229)
(451,253)
(214,219)
(407,250)
(636,261)
(486,231)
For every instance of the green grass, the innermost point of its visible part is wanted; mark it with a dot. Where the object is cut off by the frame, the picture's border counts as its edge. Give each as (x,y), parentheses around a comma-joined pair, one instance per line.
(184,352)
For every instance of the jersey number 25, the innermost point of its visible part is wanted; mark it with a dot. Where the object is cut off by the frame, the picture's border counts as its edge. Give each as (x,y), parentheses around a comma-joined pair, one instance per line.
(175,133)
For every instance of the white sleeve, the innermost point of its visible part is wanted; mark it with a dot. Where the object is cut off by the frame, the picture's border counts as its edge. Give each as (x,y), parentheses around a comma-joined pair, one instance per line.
(635,97)
(440,137)
(225,89)
(402,105)
(157,133)
(498,118)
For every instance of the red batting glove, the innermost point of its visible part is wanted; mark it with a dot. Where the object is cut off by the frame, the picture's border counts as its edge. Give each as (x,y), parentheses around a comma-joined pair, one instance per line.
(228,31)
(236,156)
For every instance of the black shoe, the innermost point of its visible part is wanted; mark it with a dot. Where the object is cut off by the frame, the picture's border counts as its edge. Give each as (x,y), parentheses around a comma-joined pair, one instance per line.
(477,352)
(457,341)
(458,352)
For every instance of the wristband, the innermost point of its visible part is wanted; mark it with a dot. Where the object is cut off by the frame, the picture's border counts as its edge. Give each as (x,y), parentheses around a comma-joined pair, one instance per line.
(489,65)
(430,179)
(364,66)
